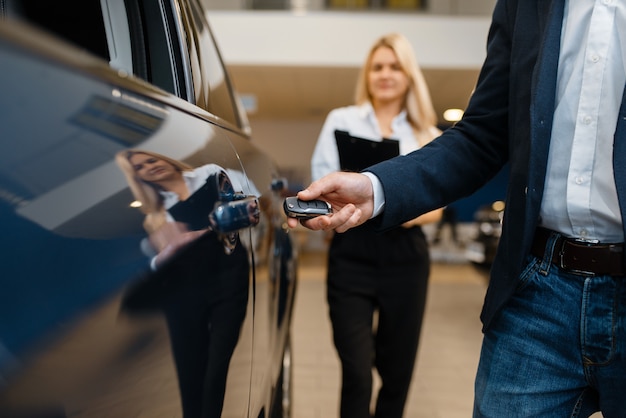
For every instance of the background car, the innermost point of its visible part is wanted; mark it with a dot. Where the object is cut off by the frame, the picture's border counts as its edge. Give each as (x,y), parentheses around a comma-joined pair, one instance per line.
(481,249)
(90,325)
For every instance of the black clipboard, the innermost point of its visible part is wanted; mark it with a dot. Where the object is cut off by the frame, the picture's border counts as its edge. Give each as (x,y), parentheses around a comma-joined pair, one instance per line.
(356,154)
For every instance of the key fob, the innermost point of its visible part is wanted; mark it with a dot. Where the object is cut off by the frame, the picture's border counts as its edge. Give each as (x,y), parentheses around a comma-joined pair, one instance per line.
(296,208)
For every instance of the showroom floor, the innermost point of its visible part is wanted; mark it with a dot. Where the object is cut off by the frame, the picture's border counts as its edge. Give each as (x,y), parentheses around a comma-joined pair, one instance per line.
(448,355)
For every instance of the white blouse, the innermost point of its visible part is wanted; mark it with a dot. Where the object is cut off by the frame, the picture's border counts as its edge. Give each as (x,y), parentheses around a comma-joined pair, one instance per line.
(359,121)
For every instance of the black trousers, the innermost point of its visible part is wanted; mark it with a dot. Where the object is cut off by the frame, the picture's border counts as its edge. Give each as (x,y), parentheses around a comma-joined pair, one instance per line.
(386,275)
(204,296)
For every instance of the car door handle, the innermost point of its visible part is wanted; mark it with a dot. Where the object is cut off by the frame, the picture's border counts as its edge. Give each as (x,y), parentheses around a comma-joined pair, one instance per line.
(235,215)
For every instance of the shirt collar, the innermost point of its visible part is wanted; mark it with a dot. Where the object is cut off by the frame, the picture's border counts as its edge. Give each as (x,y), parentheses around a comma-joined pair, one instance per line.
(187,174)
(366,111)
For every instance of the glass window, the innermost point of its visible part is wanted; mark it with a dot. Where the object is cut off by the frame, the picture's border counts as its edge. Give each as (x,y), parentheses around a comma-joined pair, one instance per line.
(155,42)
(212,86)
(377,4)
(348,4)
(270,4)
(404,4)
(60,18)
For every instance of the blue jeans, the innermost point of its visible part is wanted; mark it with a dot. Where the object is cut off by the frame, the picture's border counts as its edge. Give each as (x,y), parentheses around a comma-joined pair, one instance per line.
(557,349)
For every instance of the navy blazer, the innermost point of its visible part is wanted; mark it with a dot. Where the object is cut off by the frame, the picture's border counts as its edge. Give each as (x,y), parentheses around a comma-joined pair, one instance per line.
(508,120)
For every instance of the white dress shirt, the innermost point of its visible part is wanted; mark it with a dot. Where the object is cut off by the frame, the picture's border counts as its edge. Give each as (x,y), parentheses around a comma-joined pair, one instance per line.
(580,199)
(195,180)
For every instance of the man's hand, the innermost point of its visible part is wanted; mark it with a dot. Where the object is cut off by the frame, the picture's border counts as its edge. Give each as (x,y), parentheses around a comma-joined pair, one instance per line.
(350,195)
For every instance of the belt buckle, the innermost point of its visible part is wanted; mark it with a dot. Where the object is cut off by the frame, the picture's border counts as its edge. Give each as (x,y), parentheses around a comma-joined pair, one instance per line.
(569,269)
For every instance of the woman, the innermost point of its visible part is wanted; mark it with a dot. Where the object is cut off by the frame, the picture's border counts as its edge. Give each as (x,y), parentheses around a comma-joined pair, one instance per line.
(204,292)
(383,275)
(163,185)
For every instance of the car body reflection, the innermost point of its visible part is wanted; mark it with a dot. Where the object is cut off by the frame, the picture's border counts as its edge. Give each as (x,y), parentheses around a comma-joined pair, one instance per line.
(481,250)
(203,292)
(112,310)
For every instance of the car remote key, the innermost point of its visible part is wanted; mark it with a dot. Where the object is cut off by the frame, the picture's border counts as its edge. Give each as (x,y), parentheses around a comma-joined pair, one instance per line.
(296,208)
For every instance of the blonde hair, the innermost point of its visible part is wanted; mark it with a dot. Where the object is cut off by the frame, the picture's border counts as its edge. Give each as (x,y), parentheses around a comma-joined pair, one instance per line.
(145,192)
(419,108)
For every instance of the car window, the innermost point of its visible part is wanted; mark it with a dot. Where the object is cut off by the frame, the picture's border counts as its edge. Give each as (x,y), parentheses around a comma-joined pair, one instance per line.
(213,89)
(156,52)
(88,32)
(133,35)
(139,37)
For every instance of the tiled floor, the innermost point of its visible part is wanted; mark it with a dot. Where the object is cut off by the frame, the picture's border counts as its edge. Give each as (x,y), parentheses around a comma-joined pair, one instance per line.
(448,355)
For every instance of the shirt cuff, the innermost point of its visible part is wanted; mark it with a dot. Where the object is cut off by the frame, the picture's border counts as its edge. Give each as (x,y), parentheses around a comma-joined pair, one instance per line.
(379,194)
(153,264)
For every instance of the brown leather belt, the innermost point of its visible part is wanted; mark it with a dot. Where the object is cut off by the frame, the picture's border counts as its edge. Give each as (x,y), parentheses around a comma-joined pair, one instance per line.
(581,257)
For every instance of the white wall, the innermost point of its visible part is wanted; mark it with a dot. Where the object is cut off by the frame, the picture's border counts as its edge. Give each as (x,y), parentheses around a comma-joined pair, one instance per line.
(339,38)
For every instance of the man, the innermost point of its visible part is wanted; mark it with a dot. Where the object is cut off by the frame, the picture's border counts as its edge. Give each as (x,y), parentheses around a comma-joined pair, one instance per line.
(549,102)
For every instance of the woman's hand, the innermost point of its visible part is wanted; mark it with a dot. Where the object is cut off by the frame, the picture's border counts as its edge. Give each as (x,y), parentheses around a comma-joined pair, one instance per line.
(170,238)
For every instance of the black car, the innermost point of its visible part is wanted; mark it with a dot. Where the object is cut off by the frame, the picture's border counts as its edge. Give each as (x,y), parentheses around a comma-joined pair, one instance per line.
(123,295)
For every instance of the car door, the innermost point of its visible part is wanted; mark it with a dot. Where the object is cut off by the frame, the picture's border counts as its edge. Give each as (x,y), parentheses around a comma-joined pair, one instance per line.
(275,263)
(90,325)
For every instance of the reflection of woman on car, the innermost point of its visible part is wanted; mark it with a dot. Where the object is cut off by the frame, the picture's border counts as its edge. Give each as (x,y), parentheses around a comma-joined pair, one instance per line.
(204,289)
(164,187)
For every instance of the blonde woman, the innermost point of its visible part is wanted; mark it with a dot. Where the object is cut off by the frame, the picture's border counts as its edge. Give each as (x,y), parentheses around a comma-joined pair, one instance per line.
(369,273)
